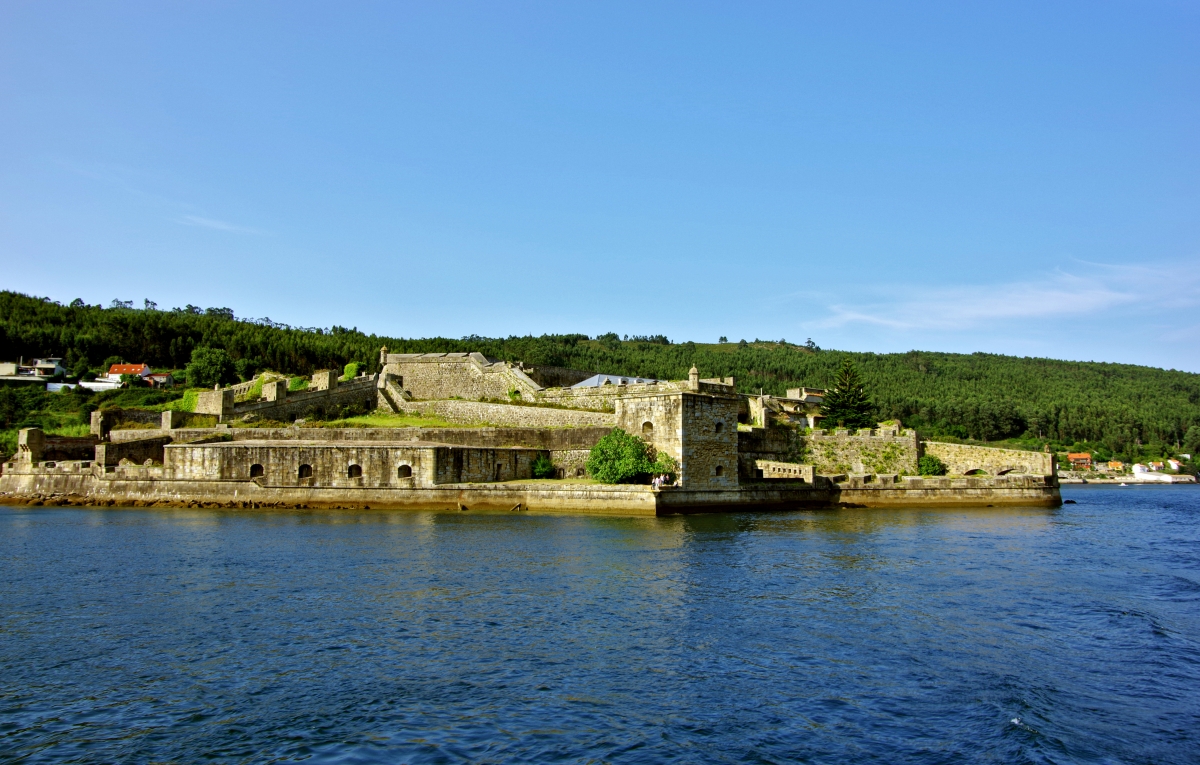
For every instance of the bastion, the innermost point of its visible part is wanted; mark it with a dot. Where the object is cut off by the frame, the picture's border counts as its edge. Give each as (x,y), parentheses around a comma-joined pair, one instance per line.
(733,451)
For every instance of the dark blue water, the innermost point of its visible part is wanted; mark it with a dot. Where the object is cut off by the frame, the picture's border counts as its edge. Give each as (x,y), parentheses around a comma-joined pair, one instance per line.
(929,636)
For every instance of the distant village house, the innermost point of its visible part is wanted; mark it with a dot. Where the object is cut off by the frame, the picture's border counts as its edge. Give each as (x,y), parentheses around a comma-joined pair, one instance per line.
(1080,460)
(117,371)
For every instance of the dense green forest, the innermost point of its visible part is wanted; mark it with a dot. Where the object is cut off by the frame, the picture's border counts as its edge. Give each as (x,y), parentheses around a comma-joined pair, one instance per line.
(1115,409)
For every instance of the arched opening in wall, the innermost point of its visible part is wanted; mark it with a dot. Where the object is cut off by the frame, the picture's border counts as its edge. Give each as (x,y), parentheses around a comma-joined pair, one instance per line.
(1006,471)
(647,430)
(256,471)
(719,426)
(720,471)
(306,471)
(404,471)
(354,471)
(976,471)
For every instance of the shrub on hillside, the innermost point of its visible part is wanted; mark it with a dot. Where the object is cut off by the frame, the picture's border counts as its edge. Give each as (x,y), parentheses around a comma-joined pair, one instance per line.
(210,367)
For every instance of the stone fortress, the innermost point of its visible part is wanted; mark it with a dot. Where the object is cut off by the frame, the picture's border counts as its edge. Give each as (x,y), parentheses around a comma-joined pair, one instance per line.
(733,450)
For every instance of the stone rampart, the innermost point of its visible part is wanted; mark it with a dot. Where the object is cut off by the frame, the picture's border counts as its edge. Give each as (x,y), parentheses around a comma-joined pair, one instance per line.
(219,401)
(34,446)
(884,450)
(509,415)
(556,377)
(771,470)
(319,403)
(105,420)
(470,376)
(553,439)
(604,398)
(699,431)
(136,451)
(774,444)
(962,459)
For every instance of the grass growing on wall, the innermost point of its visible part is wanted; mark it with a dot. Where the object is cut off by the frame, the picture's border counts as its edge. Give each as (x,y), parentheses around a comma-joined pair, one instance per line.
(185,403)
(255,391)
(379,419)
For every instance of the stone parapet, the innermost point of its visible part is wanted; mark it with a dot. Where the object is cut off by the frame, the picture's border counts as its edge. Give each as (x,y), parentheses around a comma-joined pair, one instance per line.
(962,459)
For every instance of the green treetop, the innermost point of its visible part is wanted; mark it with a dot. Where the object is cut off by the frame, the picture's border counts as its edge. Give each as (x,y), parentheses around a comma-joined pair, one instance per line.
(846,403)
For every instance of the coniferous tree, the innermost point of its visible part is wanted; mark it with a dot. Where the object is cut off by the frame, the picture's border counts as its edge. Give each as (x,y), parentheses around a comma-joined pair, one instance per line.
(846,403)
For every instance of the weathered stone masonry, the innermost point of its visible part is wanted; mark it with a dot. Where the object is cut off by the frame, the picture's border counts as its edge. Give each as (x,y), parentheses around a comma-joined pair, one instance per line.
(771,461)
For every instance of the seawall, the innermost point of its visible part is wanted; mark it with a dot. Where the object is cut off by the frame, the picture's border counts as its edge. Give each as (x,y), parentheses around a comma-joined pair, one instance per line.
(128,487)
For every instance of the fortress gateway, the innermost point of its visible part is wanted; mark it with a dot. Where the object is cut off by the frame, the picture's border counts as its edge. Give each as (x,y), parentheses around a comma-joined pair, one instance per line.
(734,451)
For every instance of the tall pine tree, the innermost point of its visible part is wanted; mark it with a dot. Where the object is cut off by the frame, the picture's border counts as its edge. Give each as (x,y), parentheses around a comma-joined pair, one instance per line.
(846,403)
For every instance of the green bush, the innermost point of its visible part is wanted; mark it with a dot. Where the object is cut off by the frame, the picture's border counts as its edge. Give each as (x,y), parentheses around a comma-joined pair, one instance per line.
(931,465)
(210,367)
(619,458)
(351,371)
(543,467)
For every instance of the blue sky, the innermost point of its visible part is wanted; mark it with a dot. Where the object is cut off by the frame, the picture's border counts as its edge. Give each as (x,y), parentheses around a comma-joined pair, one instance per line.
(1018,178)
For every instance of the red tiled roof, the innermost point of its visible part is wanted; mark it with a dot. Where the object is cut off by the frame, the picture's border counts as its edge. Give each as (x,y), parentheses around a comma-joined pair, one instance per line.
(1079,456)
(128,369)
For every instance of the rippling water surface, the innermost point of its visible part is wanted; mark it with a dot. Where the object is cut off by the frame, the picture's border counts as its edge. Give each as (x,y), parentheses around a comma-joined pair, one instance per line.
(1003,635)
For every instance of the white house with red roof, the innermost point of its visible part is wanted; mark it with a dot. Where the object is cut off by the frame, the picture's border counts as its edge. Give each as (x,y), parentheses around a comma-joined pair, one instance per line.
(117,370)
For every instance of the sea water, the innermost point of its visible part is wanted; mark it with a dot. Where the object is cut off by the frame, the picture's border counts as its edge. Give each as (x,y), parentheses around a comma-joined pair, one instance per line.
(849,636)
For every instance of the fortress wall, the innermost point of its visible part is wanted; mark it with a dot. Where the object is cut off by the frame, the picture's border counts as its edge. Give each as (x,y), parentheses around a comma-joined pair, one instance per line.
(774,444)
(570,463)
(479,465)
(556,377)
(590,499)
(105,420)
(329,463)
(434,376)
(604,397)
(360,392)
(534,438)
(964,458)
(58,448)
(864,451)
(684,425)
(662,414)
(332,464)
(509,415)
(710,442)
(136,451)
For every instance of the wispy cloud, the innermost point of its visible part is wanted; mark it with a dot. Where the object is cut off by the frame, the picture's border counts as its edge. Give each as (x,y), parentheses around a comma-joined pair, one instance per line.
(140,183)
(1057,295)
(217,225)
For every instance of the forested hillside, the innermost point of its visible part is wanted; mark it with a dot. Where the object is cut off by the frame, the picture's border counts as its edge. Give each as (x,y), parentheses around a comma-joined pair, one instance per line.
(978,396)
